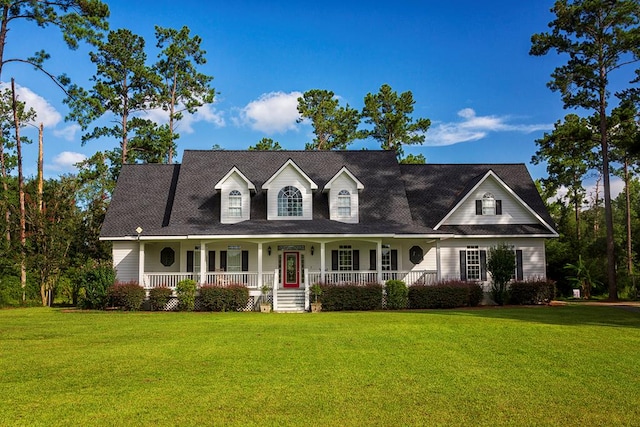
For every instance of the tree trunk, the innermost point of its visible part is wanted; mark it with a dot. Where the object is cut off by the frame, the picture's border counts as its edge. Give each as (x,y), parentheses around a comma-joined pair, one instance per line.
(608,213)
(627,194)
(5,189)
(23,239)
(40,166)
(3,34)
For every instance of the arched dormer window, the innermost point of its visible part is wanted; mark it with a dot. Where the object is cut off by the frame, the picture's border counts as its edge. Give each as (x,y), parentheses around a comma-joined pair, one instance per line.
(235,204)
(289,202)
(488,204)
(344,203)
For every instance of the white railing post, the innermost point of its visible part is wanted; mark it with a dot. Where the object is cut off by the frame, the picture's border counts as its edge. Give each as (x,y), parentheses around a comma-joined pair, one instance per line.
(276,279)
(306,289)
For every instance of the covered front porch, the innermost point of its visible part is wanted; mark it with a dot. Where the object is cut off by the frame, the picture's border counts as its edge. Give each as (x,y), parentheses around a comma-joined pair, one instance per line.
(287,268)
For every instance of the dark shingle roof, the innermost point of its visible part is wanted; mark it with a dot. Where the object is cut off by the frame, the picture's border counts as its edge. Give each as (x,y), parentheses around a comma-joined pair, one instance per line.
(178,200)
(434,189)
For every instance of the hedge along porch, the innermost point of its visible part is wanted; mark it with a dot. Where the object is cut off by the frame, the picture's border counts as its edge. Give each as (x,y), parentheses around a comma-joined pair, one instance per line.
(288,267)
(288,219)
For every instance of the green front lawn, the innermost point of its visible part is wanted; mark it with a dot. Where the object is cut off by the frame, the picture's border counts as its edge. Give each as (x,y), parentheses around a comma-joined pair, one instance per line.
(562,366)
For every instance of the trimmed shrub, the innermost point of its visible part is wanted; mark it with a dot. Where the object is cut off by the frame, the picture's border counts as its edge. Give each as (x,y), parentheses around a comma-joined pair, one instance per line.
(126,295)
(94,281)
(351,296)
(447,294)
(476,293)
(186,292)
(531,292)
(159,297)
(223,298)
(397,295)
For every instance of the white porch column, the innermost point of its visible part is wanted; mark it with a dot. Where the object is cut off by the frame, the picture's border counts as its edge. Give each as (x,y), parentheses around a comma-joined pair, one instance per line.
(306,289)
(379,261)
(203,263)
(260,265)
(141,264)
(438,267)
(322,262)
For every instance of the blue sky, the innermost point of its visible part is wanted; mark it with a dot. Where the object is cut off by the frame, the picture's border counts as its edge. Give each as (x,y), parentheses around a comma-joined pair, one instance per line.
(466,63)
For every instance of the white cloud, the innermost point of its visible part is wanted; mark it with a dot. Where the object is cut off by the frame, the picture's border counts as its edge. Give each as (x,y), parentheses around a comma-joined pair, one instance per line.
(474,127)
(206,113)
(45,112)
(68,132)
(593,190)
(66,161)
(273,112)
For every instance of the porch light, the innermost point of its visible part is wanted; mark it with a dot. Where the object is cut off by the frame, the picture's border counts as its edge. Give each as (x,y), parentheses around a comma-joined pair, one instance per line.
(269,250)
(312,249)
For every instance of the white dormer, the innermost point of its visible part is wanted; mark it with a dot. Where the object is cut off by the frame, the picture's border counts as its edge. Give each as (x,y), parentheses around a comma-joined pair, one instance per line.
(235,201)
(491,201)
(343,191)
(290,193)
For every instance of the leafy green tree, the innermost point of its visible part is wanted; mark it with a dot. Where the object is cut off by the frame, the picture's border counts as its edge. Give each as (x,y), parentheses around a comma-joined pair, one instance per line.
(183,88)
(625,136)
(52,232)
(266,144)
(600,37)
(335,127)
(501,263)
(124,86)
(410,159)
(390,116)
(78,20)
(570,154)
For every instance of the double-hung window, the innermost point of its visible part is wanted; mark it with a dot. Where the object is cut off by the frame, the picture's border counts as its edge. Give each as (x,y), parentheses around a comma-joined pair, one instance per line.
(235,204)
(488,204)
(473,263)
(344,203)
(345,258)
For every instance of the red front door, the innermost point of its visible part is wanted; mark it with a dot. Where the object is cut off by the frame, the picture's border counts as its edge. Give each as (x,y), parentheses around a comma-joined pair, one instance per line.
(291,270)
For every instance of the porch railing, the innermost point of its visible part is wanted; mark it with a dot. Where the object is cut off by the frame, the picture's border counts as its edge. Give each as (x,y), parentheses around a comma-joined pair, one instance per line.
(170,280)
(250,279)
(363,277)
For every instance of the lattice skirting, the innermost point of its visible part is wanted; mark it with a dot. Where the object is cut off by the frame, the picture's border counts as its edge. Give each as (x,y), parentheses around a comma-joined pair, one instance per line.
(172,305)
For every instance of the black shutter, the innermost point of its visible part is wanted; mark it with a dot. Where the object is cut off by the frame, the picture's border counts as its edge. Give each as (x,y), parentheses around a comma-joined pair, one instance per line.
(334,260)
(394,260)
(356,259)
(463,265)
(519,271)
(483,265)
(211,265)
(245,260)
(478,207)
(372,259)
(223,260)
(498,207)
(190,261)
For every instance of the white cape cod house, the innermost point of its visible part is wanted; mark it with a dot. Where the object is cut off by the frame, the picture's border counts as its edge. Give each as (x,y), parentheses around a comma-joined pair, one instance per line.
(288,219)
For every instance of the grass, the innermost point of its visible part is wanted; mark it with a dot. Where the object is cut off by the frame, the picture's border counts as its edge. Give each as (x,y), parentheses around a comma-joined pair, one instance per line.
(573,365)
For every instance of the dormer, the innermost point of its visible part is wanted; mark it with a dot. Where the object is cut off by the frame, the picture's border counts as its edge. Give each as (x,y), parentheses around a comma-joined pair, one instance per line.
(235,200)
(344,189)
(491,202)
(290,193)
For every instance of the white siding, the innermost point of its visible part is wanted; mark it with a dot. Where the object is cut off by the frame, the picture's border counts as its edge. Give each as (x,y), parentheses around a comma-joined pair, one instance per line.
(234,182)
(289,176)
(343,182)
(152,262)
(533,255)
(512,210)
(125,260)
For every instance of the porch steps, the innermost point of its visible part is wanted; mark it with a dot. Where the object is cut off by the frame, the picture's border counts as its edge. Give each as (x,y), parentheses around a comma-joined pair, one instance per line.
(290,300)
